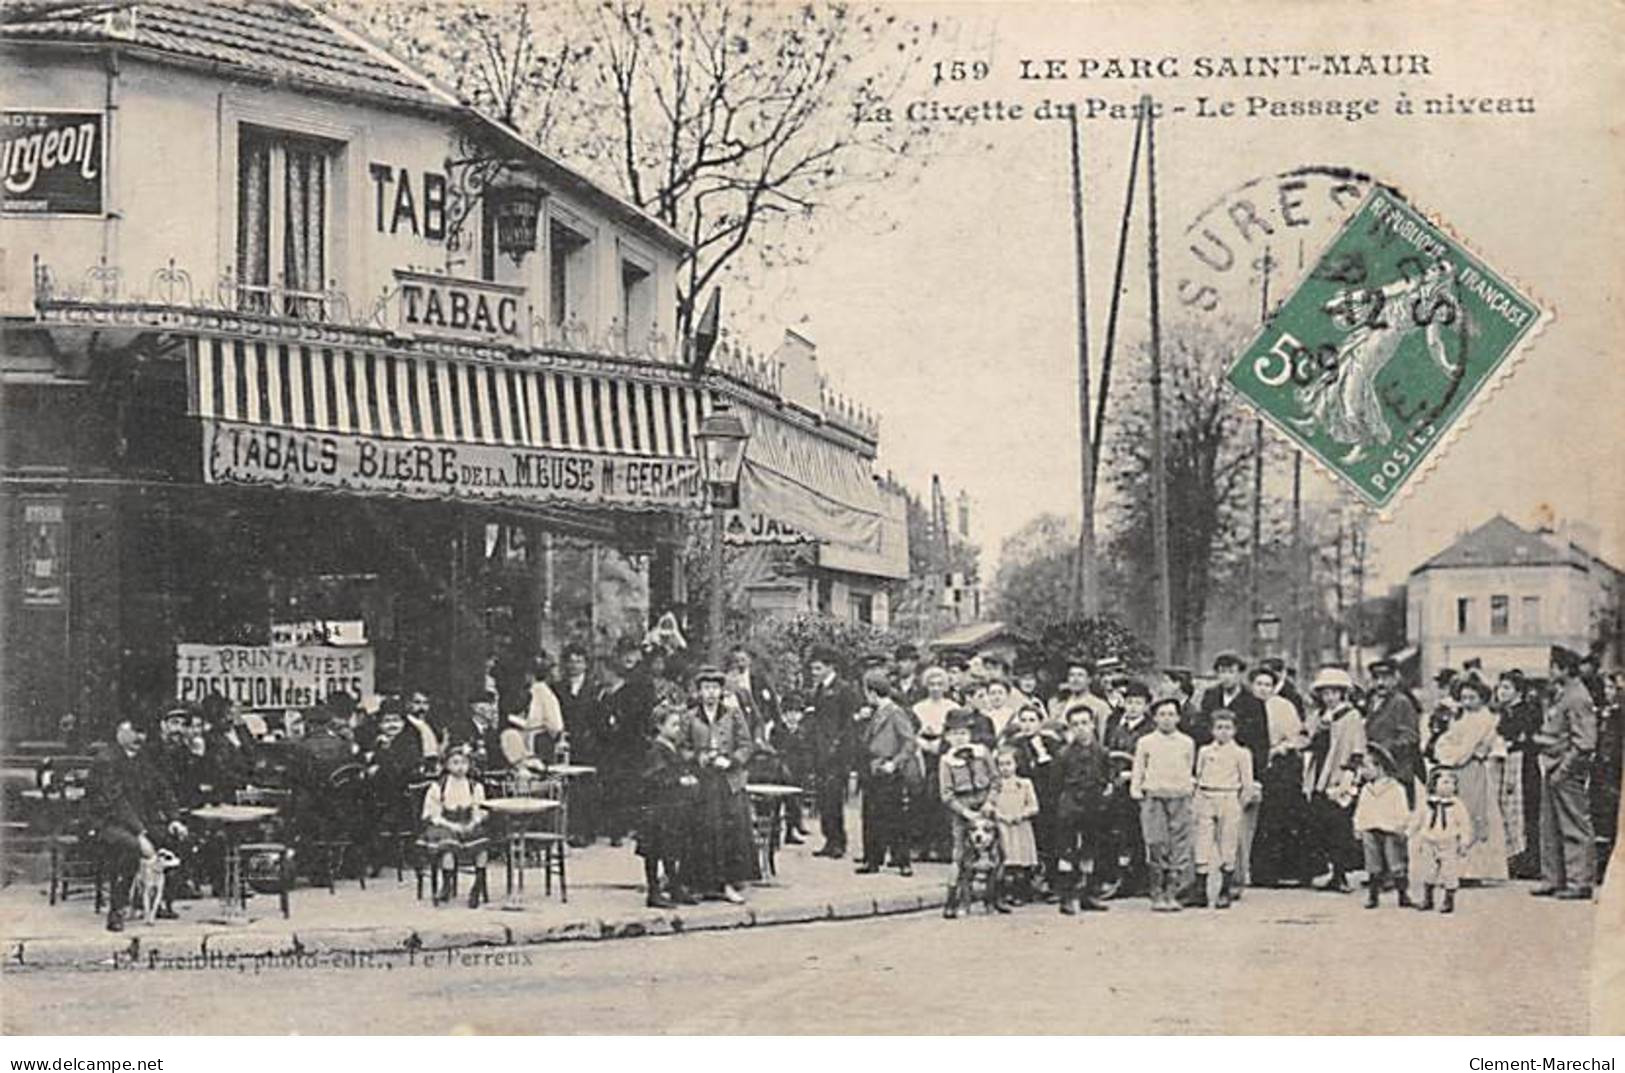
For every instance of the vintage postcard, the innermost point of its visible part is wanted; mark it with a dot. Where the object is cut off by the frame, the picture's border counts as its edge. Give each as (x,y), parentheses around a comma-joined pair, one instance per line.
(719,517)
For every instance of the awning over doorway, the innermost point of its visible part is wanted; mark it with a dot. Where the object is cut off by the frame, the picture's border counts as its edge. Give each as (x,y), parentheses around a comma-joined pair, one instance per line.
(375,421)
(818,487)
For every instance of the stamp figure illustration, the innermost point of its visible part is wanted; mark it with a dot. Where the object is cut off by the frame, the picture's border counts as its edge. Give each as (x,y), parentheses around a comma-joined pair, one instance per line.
(1382,347)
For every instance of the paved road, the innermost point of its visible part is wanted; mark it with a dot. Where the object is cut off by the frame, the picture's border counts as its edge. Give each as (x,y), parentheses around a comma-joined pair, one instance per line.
(1282,962)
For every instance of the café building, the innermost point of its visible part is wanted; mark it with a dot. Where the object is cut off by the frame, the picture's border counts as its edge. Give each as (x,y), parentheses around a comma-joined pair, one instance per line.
(314,377)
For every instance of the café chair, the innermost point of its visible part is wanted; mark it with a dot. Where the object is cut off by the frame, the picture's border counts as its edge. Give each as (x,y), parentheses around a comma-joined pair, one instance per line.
(270,847)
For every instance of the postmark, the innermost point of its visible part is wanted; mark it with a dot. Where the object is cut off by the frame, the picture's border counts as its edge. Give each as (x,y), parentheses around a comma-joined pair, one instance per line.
(1377,355)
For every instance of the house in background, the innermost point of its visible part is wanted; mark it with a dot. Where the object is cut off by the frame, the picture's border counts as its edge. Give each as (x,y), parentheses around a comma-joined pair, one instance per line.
(1504,594)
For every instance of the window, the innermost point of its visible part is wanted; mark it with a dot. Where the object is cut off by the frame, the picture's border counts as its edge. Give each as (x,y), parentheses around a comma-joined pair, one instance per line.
(1500,615)
(1464,613)
(825,595)
(566,266)
(637,305)
(863,608)
(1530,614)
(282,221)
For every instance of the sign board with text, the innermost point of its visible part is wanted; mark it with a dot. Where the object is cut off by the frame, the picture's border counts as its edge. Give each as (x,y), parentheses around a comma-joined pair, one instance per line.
(51,162)
(237,453)
(271,677)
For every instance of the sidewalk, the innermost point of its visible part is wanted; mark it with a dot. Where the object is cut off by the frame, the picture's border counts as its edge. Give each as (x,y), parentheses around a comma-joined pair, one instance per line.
(606,902)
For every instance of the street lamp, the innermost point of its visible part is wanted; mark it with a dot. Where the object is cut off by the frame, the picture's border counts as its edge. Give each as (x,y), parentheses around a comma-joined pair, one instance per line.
(722,437)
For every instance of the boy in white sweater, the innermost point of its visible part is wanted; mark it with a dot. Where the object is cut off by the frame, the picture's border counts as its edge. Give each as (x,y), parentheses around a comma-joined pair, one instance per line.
(1161,782)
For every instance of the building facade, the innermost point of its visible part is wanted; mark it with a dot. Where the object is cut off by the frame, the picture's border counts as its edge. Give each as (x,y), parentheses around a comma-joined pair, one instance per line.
(316,378)
(1503,594)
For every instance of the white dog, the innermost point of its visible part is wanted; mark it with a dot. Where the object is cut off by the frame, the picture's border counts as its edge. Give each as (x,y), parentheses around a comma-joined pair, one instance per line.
(147,888)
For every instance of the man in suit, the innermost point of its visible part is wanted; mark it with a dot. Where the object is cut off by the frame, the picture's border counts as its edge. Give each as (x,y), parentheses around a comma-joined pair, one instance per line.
(133,814)
(833,712)
(1567,741)
(910,690)
(757,699)
(584,730)
(628,704)
(1393,722)
(1252,734)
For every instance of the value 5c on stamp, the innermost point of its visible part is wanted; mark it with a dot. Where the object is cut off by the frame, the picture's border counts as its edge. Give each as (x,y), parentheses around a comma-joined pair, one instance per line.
(1383,347)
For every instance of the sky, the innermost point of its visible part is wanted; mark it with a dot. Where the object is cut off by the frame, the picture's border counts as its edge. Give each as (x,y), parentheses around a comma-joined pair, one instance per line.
(957,322)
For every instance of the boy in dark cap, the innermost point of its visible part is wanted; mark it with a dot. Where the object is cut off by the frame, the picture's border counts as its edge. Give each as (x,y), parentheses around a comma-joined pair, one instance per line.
(907,684)
(965,777)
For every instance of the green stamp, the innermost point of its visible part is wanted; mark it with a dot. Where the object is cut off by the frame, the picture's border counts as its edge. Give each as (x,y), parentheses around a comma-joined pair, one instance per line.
(1383,347)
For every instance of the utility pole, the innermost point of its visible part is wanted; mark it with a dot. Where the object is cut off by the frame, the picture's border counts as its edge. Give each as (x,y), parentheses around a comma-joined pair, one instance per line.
(1342,610)
(1357,547)
(1299,616)
(1159,476)
(1086,592)
(1254,565)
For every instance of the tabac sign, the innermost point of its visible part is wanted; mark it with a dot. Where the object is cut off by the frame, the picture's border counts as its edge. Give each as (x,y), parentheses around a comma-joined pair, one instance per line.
(51,162)
(252,454)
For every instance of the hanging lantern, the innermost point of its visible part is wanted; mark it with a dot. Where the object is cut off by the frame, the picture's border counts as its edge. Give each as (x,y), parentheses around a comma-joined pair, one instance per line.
(516,209)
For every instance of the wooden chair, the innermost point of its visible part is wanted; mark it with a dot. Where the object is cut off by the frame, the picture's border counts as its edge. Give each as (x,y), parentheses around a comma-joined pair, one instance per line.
(271,844)
(70,834)
(548,835)
(333,844)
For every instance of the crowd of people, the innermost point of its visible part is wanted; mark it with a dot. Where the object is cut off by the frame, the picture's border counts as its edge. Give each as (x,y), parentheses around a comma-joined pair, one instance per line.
(1100,783)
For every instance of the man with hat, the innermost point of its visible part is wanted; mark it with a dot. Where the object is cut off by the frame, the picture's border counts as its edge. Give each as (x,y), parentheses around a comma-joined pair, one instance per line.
(318,809)
(1567,740)
(1252,734)
(832,721)
(1393,722)
(1076,690)
(909,689)
(133,813)
(627,704)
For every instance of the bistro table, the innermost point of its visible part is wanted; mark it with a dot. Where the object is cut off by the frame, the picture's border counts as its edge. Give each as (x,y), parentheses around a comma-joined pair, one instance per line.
(568,774)
(231,819)
(767,804)
(518,813)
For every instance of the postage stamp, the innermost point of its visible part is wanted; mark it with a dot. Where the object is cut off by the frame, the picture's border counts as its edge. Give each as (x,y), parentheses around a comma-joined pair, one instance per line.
(1383,347)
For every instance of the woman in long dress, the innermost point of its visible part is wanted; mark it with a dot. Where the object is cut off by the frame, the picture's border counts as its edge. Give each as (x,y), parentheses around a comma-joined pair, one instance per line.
(717,737)
(1472,746)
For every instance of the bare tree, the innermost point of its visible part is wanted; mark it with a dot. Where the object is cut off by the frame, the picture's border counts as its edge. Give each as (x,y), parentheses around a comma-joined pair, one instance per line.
(1209,452)
(731,121)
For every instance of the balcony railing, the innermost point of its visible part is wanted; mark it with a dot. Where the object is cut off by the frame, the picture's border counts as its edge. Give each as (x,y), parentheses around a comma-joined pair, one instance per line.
(171,298)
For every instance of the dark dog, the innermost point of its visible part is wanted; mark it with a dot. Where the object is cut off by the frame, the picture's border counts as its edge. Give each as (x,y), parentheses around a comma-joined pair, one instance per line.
(981,871)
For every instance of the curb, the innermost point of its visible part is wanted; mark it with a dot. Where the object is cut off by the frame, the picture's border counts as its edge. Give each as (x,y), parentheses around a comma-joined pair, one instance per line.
(110,953)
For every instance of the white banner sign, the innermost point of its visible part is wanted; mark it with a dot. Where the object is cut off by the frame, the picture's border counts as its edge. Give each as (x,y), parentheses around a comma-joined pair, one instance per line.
(266,677)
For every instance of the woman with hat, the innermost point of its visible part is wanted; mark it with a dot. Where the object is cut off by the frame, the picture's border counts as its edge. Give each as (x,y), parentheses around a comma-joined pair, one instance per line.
(1518,720)
(1472,746)
(1336,733)
(717,736)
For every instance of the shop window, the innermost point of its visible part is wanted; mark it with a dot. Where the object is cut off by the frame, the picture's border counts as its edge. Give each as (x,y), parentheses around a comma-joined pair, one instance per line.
(1464,613)
(283,221)
(1530,614)
(1500,615)
(567,275)
(637,305)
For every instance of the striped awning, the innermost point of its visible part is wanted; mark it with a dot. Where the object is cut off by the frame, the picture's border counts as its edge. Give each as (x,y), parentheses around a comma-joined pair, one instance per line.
(395,396)
(374,422)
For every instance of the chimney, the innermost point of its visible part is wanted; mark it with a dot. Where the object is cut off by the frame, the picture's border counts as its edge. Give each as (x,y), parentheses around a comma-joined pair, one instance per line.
(964,514)
(1581,534)
(798,372)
